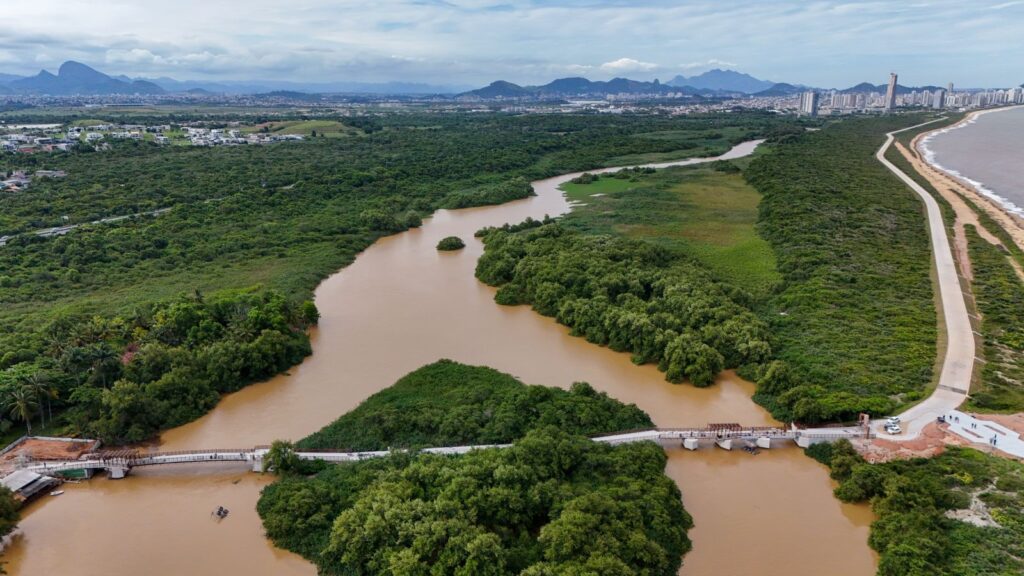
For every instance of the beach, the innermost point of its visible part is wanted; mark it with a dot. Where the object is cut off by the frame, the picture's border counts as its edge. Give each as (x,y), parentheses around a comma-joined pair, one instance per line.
(980,159)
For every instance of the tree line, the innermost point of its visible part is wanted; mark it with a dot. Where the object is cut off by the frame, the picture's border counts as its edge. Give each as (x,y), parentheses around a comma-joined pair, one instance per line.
(123,379)
(917,501)
(631,296)
(854,322)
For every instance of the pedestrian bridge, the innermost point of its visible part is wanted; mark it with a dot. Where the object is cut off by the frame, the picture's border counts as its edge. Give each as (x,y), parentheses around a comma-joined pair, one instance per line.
(118,463)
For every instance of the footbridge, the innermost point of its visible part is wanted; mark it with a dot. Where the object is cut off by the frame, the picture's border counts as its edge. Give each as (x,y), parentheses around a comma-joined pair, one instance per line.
(118,463)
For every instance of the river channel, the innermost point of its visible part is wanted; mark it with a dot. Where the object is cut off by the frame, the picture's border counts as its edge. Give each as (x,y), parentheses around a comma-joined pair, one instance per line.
(400,305)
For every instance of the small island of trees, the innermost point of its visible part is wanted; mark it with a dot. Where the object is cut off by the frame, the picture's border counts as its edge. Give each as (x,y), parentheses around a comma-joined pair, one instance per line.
(451,243)
(553,503)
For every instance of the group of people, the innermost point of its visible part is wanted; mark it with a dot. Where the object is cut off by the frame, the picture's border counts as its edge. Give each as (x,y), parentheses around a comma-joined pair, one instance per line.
(221,512)
(994,440)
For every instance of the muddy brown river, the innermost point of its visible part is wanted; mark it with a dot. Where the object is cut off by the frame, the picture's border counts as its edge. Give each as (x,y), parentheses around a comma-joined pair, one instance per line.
(400,305)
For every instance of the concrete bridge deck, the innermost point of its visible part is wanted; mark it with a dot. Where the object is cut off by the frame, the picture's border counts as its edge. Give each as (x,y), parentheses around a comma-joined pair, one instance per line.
(118,463)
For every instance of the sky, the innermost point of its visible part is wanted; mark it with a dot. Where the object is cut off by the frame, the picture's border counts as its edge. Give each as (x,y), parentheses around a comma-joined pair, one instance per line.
(822,43)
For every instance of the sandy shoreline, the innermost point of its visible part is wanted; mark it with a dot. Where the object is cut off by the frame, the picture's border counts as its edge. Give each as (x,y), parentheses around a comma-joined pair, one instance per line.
(993,205)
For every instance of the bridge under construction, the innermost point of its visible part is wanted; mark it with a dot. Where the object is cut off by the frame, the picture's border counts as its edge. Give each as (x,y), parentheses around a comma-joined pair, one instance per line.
(118,463)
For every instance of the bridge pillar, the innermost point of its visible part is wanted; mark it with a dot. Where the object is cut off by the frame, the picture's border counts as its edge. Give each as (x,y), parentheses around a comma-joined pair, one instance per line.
(803,442)
(257,464)
(117,472)
(724,443)
(690,443)
(763,442)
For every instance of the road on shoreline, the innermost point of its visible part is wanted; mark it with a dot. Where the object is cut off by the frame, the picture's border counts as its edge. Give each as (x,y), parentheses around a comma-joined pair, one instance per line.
(955,379)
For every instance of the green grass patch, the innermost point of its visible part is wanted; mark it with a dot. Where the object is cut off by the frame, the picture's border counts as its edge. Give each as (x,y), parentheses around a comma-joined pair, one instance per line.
(706,214)
(328,128)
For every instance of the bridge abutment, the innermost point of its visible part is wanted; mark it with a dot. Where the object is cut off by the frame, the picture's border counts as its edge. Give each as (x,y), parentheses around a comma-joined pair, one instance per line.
(117,472)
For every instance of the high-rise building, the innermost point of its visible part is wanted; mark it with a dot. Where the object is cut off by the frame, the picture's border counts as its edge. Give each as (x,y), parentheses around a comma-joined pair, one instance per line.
(939,99)
(890,94)
(949,88)
(809,103)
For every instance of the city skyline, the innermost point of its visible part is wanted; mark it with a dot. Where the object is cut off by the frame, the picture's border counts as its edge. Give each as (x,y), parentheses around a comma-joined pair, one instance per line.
(473,42)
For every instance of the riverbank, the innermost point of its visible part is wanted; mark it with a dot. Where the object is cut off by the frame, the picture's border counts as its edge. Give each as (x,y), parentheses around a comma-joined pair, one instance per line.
(401,305)
(1009,216)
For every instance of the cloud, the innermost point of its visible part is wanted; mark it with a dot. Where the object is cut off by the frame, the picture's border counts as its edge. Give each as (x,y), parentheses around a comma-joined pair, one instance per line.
(628,65)
(821,42)
(708,64)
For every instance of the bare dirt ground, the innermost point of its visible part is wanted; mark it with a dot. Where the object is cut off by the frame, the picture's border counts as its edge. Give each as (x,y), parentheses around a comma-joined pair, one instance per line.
(932,442)
(44,449)
(1014,422)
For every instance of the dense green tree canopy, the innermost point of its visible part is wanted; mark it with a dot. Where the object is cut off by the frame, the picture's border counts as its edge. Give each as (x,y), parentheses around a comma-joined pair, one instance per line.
(554,503)
(451,404)
(854,319)
(123,379)
(915,500)
(629,295)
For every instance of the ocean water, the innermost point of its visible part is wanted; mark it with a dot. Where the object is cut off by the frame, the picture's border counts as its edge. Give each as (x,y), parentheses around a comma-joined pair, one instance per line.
(987,152)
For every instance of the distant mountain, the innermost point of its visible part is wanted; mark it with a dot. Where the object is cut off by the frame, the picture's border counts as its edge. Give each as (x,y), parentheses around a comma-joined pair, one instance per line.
(75,78)
(867,88)
(499,89)
(573,87)
(266,86)
(724,81)
(781,89)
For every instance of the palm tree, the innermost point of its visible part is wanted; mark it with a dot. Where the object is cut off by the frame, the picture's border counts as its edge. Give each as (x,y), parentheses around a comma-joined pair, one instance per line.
(21,403)
(39,383)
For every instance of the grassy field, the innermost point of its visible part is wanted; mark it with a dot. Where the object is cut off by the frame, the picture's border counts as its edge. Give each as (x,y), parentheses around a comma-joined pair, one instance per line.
(328,128)
(706,214)
(686,142)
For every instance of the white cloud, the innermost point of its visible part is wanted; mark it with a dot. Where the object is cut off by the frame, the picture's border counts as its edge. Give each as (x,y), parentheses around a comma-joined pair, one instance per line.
(819,42)
(708,64)
(628,65)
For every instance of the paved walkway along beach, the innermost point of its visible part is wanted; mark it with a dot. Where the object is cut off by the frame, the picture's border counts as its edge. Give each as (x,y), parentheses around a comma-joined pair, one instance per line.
(955,378)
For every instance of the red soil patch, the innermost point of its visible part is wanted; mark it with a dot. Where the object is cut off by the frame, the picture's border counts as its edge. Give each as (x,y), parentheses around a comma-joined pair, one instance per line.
(45,449)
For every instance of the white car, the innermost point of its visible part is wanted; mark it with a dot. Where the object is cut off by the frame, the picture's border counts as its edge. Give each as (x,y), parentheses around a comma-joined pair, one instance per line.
(892,421)
(893,429)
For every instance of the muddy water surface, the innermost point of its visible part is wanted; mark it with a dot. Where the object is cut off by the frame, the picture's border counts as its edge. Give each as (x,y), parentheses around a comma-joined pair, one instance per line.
(401,305)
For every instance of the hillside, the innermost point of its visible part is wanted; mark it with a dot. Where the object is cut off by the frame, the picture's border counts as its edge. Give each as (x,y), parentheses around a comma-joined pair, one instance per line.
(76,78)
(722,80)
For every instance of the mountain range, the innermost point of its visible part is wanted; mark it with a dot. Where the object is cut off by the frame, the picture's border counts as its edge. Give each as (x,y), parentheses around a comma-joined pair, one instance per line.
(724,81)
(74,78)
(867,87)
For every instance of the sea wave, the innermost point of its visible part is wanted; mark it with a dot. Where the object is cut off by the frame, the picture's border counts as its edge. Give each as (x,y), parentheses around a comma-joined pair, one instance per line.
(929,156)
